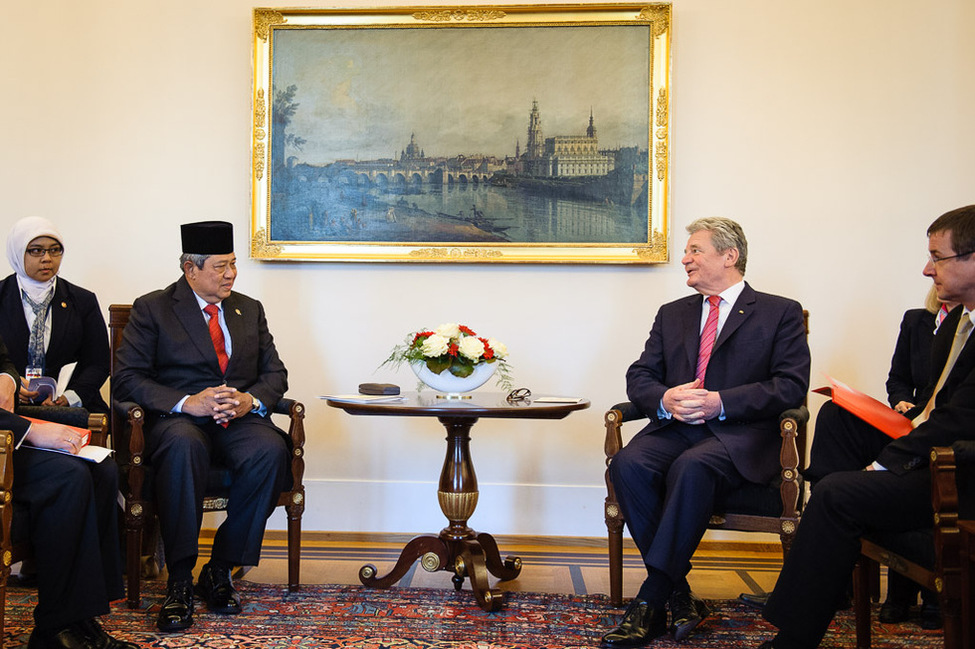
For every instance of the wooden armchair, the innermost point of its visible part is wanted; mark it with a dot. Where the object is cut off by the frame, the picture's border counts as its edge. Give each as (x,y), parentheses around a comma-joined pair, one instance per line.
(774,508)
(136,474)
(17,549)
(930,557)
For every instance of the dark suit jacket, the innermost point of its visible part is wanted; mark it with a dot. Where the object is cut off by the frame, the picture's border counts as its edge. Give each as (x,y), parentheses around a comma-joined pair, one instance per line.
(759,365)
(78,333)
(953,417)
(166,351)
(9,421)
(909,378)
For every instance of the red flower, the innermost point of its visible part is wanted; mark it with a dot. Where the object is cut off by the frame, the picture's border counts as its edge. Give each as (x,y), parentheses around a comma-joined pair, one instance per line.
(452,349)
(488,352)
(419,337)
(466,330)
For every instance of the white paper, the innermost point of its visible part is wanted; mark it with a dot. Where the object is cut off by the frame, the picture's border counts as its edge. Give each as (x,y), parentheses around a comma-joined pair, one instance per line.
(89,452)
(558,400)
(64,377)
(364,398)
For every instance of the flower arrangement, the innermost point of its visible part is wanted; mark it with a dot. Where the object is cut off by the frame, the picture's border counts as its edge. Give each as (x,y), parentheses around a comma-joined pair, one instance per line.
(453,347)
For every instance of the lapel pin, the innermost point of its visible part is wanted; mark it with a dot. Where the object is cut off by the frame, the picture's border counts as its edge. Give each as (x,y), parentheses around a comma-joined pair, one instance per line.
(64,305)
(237,311)
(741,312)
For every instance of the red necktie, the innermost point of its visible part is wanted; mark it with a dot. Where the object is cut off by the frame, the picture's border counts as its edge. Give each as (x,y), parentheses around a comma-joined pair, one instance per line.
(708,335)
(216,335)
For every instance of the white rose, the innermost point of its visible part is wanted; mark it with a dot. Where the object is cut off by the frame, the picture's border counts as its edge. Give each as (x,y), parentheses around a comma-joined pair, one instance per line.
(435,345)
(500,351)
(448,330)
(471,347)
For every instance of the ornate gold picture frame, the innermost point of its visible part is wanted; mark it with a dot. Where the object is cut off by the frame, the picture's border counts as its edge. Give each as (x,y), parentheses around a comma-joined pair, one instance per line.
(518,134)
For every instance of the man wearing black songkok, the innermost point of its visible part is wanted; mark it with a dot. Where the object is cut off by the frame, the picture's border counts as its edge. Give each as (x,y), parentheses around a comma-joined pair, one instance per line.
(198,356)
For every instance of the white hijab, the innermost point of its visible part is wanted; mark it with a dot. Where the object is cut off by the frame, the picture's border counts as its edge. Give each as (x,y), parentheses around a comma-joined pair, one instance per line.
(24,231)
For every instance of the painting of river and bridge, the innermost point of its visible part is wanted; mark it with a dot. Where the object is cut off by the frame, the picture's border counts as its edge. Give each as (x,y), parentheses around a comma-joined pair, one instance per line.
(506,138)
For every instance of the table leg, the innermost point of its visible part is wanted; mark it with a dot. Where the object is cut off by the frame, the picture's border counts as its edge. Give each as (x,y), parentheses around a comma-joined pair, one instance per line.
(430,547)
(505,570)
(473,554)
(457,548)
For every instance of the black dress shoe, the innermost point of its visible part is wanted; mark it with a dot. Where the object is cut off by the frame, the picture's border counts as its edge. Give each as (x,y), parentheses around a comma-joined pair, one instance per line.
(931,616)
(641,624)
(894,612)
(67,638)
(93,632)
(176,613)
(686,612)
(757,600)
(217,590)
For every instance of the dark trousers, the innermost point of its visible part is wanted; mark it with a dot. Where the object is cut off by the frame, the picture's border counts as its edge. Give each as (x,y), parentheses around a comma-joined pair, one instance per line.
(844,506)
(666,482)
(181,452)
(842,442)
(72,523)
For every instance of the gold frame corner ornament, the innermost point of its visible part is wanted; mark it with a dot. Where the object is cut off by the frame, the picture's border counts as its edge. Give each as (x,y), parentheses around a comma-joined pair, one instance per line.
(261,248)
(652,22)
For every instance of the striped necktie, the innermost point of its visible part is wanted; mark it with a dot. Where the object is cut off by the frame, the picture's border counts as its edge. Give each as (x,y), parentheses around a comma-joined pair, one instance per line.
(708,335)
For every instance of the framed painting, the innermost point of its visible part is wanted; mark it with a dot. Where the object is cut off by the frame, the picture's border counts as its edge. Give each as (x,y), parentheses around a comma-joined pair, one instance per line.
(518,134)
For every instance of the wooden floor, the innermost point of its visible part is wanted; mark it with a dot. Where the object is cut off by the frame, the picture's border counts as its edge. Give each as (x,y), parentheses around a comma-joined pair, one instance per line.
(553,565)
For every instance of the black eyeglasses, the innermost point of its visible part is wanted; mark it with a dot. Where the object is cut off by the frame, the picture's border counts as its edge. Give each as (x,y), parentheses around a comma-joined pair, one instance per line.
(54,251)
(518,394)
(936,260)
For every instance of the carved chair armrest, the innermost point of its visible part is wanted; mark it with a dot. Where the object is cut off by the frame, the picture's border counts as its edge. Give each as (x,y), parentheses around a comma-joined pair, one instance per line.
(614,419)
(790,423)
(295,410)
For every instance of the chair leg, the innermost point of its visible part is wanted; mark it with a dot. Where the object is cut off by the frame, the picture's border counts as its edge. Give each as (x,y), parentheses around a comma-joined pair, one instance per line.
(616,568)
(133,566)
(294,552)
(861,601)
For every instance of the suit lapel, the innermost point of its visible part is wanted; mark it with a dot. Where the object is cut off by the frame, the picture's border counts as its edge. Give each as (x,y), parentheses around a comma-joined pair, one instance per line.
(741,310)
(692,329)
(232,315)
(62,311)
(187,311)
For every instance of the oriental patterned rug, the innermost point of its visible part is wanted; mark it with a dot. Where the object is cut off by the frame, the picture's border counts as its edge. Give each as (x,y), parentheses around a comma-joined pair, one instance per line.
(354,617)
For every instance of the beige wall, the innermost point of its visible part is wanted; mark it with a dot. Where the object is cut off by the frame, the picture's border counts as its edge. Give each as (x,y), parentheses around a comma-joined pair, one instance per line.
(834,131)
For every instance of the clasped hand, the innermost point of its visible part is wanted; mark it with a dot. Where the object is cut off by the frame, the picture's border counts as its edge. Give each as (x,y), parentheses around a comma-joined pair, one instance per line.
(692,404)
(223,403)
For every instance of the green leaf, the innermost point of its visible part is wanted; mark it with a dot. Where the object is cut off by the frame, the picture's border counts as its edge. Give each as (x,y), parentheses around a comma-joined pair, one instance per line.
(461,370)
(438,364)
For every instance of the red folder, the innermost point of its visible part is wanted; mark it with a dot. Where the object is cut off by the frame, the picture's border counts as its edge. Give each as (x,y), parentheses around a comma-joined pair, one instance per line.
(876,413)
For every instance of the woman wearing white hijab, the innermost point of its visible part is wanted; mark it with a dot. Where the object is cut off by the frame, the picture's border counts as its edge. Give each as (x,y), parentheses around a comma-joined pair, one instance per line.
(66,507)
(48,322)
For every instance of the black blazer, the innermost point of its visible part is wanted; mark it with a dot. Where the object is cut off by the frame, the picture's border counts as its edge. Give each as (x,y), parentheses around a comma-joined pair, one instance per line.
(954,407)
(759,364)
(909,378)
(78,333)
(166,351)
(9,421)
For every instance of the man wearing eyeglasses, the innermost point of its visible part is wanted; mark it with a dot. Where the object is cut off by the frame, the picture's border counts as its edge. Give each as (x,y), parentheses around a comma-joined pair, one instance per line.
(713,378)
(199,357)
(893,493)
